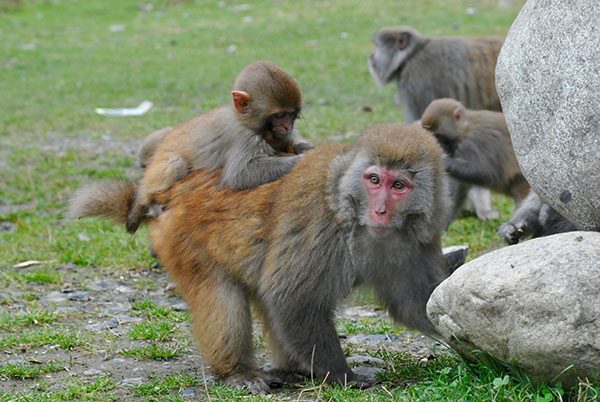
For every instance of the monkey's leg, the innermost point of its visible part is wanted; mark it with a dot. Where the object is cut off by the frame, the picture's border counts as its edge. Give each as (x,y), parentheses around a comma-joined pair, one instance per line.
(222,325)
(304,328)
(481,198)
(159,176)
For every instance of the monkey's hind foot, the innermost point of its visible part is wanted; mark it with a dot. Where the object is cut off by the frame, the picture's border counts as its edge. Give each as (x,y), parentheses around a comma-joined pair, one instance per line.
(135,216)
(254,381)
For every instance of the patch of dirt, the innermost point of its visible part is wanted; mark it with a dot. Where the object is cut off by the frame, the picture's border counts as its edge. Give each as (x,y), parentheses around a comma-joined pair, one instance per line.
(97,304)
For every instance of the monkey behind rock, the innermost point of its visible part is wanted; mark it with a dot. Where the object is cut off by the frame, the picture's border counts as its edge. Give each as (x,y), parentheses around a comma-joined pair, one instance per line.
(247,139)
(534,218)
(368,214)
(478,146)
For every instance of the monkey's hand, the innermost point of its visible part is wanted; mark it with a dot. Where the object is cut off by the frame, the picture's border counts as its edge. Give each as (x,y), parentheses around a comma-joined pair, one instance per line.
(511,233)
(302,147)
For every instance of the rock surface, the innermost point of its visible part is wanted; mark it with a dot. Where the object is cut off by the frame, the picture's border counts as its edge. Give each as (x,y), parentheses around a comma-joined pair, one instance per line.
(534,304)
(547,80)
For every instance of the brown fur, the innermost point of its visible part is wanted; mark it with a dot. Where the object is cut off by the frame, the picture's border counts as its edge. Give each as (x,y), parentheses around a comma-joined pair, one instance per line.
(297,246)
(224,138)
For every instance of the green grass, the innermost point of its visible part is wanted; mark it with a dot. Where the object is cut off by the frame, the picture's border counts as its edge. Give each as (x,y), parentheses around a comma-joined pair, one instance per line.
(154,352)
(73,390)
(10,321)
(59,60)
(22,371)
(65,338)
(371,325)
(151,310)
(154,330)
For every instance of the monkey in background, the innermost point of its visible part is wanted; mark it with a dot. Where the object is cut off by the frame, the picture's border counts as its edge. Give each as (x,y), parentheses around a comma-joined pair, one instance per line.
(367,214)
(427,68)
(534,218)
(246,139)
(478,146)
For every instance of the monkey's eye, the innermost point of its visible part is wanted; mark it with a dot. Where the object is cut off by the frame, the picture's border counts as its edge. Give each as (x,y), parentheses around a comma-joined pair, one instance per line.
(374,179)
(399,185)
(279,115)
(402,42)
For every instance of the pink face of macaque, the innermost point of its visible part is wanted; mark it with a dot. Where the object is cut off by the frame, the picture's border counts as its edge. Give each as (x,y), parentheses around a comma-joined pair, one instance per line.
(386,190)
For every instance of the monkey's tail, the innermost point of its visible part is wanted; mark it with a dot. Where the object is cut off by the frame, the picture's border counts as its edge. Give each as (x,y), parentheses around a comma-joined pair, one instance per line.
(108,199)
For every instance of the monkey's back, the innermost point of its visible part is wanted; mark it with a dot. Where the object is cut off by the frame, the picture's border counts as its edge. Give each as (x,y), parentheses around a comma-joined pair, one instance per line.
(466,74)
(210,226)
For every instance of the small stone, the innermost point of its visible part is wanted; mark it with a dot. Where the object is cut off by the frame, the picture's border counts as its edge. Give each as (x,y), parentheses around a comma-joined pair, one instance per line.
(92,372)
(123,289)
(68,309)
(67,288)
(7,227)
(83,237)
(360,360)
(367,374)
(455,256)
(80,296)
(103,284)
(114,323)
(54,297)
(373,340)
(188,393)
(131,382)
(359,311)
(181,307)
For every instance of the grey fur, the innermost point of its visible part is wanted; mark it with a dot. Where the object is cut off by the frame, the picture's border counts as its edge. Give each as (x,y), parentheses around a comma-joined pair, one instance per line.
(108,199)
(534,218)
(250,161)
(430,68)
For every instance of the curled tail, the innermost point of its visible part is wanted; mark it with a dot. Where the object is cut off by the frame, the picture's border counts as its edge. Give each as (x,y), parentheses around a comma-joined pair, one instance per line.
(109,199)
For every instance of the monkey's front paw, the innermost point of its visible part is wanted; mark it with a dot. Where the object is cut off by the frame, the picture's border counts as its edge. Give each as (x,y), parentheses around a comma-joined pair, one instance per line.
(511,233)
(255,382)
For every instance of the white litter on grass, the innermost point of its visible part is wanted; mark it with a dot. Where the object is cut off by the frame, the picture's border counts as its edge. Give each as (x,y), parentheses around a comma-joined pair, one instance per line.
(141,109)
(30,263)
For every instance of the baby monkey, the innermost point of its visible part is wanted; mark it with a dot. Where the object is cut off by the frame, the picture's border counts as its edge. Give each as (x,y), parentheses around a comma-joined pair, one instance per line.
(252,139)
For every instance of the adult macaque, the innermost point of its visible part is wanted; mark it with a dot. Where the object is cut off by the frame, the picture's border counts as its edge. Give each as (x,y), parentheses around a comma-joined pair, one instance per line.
(245,138)
(478,145)
(427,68)
(368,214)
(534,218)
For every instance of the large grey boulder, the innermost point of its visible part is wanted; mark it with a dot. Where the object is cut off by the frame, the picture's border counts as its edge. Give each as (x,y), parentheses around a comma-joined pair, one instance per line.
(535,304)
(548,81)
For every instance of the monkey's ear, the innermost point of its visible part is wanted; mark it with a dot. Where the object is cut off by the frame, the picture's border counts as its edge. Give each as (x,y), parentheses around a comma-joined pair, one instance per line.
(457,114)
(240,101)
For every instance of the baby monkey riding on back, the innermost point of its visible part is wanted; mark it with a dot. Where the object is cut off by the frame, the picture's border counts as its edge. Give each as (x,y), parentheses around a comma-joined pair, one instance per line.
(247,138)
